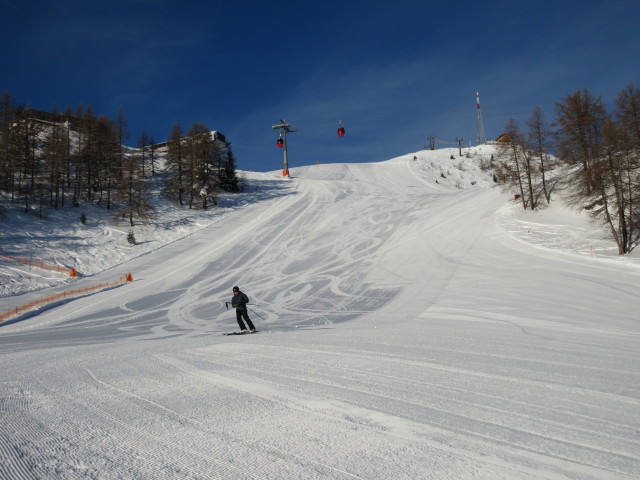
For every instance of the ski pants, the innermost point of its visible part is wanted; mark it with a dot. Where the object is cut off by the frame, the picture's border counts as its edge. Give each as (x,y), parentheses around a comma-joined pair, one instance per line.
(240,314)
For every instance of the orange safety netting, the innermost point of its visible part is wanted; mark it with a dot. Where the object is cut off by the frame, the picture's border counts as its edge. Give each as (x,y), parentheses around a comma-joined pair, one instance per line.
(46,266)
(4,316)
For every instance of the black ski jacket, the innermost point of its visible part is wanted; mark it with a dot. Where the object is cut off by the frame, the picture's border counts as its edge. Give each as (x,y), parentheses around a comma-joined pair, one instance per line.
(240,301)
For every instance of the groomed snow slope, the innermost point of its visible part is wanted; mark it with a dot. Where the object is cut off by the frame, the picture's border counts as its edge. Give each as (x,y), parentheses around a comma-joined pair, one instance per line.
(409,330)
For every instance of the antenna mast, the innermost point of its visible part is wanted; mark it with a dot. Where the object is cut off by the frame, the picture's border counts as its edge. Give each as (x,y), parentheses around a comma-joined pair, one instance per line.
(481,136)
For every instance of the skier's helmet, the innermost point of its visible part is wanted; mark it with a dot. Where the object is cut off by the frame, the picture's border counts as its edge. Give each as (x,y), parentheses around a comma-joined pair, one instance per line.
(236,289)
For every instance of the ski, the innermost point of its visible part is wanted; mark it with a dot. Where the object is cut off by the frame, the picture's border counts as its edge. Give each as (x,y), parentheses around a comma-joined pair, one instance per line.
(240,333)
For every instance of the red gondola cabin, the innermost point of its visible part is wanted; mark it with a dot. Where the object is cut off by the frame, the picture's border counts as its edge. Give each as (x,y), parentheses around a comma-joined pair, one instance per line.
(280,143)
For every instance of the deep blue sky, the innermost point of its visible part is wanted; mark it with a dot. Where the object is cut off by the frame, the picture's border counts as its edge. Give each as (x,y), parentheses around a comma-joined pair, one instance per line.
(394,72)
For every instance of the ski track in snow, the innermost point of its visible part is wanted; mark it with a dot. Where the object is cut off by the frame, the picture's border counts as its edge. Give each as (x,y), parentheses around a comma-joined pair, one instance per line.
(409,330)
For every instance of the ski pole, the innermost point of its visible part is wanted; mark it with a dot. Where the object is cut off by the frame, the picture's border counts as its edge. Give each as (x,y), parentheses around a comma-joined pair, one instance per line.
(226,304)
(253,311)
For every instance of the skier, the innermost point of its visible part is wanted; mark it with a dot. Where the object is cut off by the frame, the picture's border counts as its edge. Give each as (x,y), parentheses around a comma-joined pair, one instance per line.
(239,301)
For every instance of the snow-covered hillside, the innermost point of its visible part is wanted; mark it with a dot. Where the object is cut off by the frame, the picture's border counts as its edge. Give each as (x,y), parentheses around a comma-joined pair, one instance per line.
(414,323)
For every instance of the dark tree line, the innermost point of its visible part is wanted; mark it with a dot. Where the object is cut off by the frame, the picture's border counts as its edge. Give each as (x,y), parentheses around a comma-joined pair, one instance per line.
(73,158)
(198,167)
(601,151)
